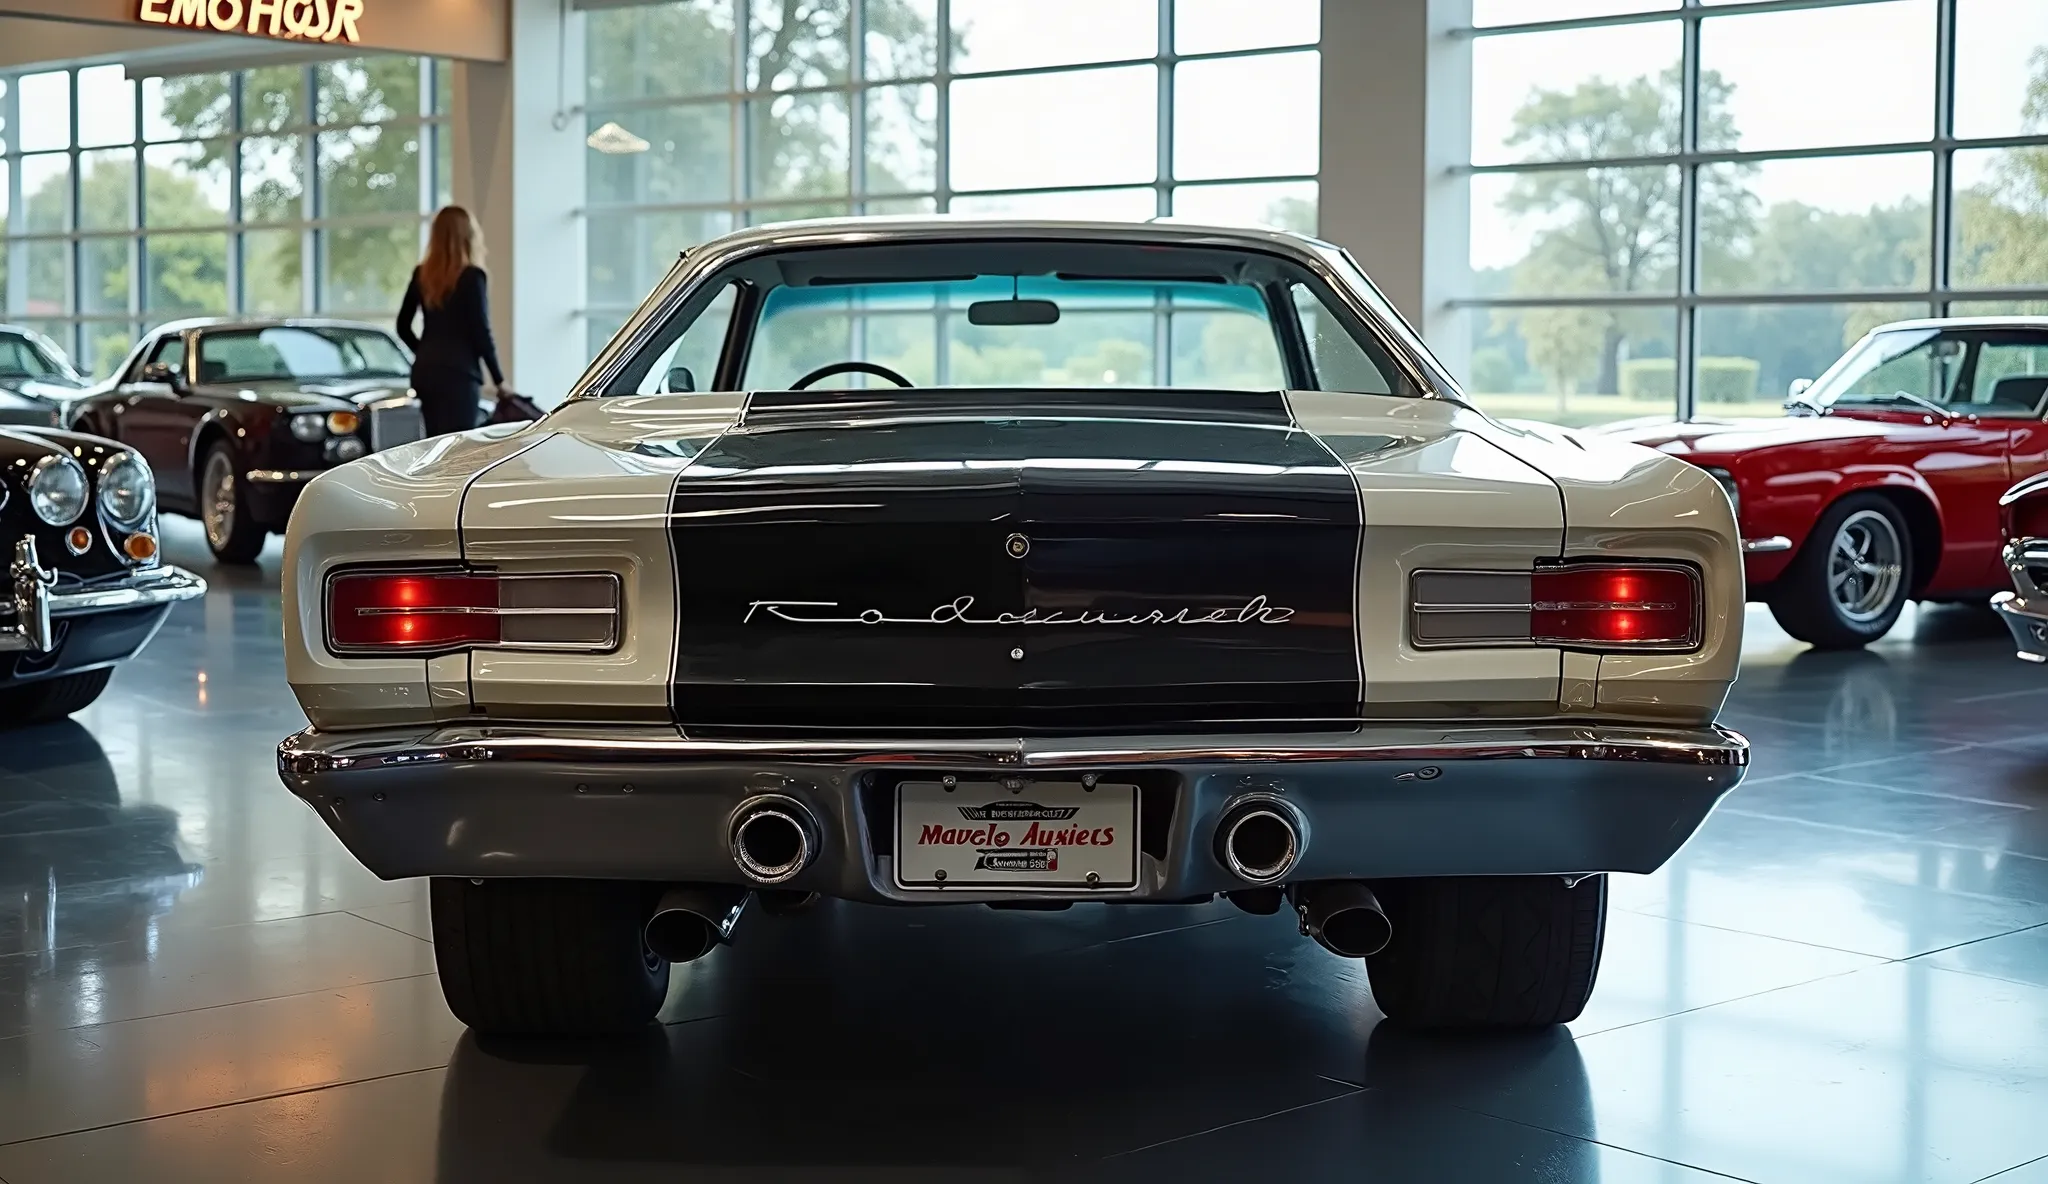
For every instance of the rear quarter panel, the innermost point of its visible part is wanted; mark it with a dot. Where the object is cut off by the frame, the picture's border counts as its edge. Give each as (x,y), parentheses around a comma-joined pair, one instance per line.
(1435,495)
(1625,501)
(595,496)
(402,507)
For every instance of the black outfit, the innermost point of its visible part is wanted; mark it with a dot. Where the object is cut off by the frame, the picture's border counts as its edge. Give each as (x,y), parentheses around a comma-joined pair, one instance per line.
(445,357)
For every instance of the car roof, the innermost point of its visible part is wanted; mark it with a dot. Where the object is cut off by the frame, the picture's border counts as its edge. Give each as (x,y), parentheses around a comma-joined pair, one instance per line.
(190,323)
(1165,231)
(2010,322)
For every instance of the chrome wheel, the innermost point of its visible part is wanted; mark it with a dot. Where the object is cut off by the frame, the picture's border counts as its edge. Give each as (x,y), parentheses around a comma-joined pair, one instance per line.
(1866,566)
(217,499)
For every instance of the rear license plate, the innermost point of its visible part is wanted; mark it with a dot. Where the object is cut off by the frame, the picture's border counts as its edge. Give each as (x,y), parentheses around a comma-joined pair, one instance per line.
(977,834)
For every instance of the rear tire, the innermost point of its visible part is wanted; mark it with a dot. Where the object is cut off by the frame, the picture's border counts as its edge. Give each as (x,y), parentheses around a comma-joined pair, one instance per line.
(1850,580)
(50,699)
(1488,951)
(231,529)
(547,957)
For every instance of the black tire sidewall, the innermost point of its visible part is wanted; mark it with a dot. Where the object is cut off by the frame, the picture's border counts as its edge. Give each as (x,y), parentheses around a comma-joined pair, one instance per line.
(49,699)
(244,542)
(1803,604)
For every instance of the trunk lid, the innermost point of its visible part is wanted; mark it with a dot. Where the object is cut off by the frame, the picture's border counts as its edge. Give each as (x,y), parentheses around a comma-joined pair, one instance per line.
(966,561)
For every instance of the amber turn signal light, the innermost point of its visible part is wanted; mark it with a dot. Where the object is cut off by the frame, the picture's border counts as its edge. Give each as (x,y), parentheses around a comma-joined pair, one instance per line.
(79,540)
(140,547)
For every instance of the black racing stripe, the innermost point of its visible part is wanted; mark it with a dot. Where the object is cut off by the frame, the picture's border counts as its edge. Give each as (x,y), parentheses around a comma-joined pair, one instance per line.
(1160,573)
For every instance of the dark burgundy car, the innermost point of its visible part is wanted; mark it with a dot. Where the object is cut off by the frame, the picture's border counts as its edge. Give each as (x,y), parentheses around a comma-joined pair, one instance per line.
(234,417)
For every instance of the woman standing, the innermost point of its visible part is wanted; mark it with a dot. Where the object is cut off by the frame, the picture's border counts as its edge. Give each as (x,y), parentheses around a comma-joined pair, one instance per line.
(448,287)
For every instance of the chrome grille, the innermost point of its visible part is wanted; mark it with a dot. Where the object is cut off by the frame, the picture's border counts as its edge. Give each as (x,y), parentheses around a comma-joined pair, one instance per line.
(394,423)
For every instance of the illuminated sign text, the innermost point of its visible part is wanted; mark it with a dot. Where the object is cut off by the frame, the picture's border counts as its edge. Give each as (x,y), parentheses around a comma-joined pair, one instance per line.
(294,20)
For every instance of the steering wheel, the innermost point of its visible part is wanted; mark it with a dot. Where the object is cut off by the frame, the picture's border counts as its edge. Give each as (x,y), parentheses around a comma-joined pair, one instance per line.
(827,371)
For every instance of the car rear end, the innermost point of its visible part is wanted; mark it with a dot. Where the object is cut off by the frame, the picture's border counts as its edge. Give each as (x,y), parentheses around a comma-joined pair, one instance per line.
(1384,633)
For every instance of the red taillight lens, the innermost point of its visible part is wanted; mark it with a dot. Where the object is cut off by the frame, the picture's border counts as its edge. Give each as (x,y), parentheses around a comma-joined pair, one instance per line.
(373,611)
(1615,606)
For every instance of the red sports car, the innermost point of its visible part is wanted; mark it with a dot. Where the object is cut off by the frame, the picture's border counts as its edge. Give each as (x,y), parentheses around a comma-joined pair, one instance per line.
(1882,482)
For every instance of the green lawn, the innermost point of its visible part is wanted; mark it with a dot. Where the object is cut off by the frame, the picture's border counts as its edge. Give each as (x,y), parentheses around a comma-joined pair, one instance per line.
(1580,411)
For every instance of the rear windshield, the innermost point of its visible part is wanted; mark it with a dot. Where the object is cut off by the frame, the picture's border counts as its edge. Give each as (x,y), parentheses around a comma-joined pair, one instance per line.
(301,353)
(1012,314)
(1107,333)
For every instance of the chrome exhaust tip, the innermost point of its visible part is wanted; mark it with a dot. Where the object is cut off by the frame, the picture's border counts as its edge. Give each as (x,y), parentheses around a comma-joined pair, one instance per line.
(1260,842)
(773,839)
(689,923)
(1343,917)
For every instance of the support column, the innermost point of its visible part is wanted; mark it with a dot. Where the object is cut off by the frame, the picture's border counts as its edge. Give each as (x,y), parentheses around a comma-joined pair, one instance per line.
(1396,122)
(518,167)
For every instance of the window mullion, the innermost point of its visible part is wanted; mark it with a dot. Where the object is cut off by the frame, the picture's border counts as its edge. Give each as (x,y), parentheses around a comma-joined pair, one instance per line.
(1685,345)
(237,293)
(1942,207)
(311,199)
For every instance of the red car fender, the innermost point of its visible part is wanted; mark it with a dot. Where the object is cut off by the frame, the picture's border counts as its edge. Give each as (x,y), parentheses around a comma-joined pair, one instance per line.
(1786,500)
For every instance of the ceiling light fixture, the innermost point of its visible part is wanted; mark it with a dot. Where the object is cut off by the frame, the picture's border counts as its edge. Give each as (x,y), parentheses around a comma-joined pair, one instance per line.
(613,140)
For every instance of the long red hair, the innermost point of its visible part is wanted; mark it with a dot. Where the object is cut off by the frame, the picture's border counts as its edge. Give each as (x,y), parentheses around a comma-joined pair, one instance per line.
(453,244)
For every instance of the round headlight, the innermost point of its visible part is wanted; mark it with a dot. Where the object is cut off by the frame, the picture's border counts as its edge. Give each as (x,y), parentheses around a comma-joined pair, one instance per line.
(346,448)
(309,428)
(57,489)
(127,490)
(343,423)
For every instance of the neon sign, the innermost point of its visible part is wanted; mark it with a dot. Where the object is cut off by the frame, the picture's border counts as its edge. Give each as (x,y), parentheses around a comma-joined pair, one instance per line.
(288,20)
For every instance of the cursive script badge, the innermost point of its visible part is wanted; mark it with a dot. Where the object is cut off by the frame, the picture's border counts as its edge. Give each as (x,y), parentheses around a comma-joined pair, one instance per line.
(960,611)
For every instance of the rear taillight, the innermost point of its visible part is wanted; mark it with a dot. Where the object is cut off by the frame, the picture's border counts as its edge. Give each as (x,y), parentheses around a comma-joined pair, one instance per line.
(388,612)
(1617,606)
(1586,606)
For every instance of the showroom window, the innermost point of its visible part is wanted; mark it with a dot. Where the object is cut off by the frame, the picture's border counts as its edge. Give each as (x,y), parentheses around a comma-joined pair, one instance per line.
(280,190)
(1686,205)
(707,115)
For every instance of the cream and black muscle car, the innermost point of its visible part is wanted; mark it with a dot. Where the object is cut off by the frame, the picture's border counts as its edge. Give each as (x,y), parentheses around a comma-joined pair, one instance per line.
(921,562)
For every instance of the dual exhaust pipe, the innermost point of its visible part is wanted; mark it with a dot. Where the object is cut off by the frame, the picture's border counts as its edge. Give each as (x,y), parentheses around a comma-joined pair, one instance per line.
(773,839)
(1260,840)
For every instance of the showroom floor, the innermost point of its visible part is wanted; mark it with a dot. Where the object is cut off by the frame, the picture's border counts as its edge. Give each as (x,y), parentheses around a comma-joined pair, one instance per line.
(1843,978)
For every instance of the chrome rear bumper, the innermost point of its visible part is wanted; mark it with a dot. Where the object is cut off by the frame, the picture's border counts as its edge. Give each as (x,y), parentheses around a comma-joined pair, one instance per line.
(647,804)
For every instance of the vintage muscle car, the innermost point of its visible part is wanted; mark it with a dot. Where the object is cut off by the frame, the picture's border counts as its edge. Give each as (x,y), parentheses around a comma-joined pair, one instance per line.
(85,588)
(1882,486)
(235,417)
(1144,563)
(36,379)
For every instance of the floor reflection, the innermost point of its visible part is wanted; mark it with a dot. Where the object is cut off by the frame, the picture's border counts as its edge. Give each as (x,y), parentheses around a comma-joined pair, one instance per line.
(78,866)
(1843,977)
(680,1102)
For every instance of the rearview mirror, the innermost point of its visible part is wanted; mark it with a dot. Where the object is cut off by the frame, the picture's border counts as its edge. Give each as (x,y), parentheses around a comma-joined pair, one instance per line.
(679,379)
(1013,312)
(165,373)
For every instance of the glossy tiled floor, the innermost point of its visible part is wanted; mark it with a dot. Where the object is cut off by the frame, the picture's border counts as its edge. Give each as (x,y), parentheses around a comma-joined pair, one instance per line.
(1843,978)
